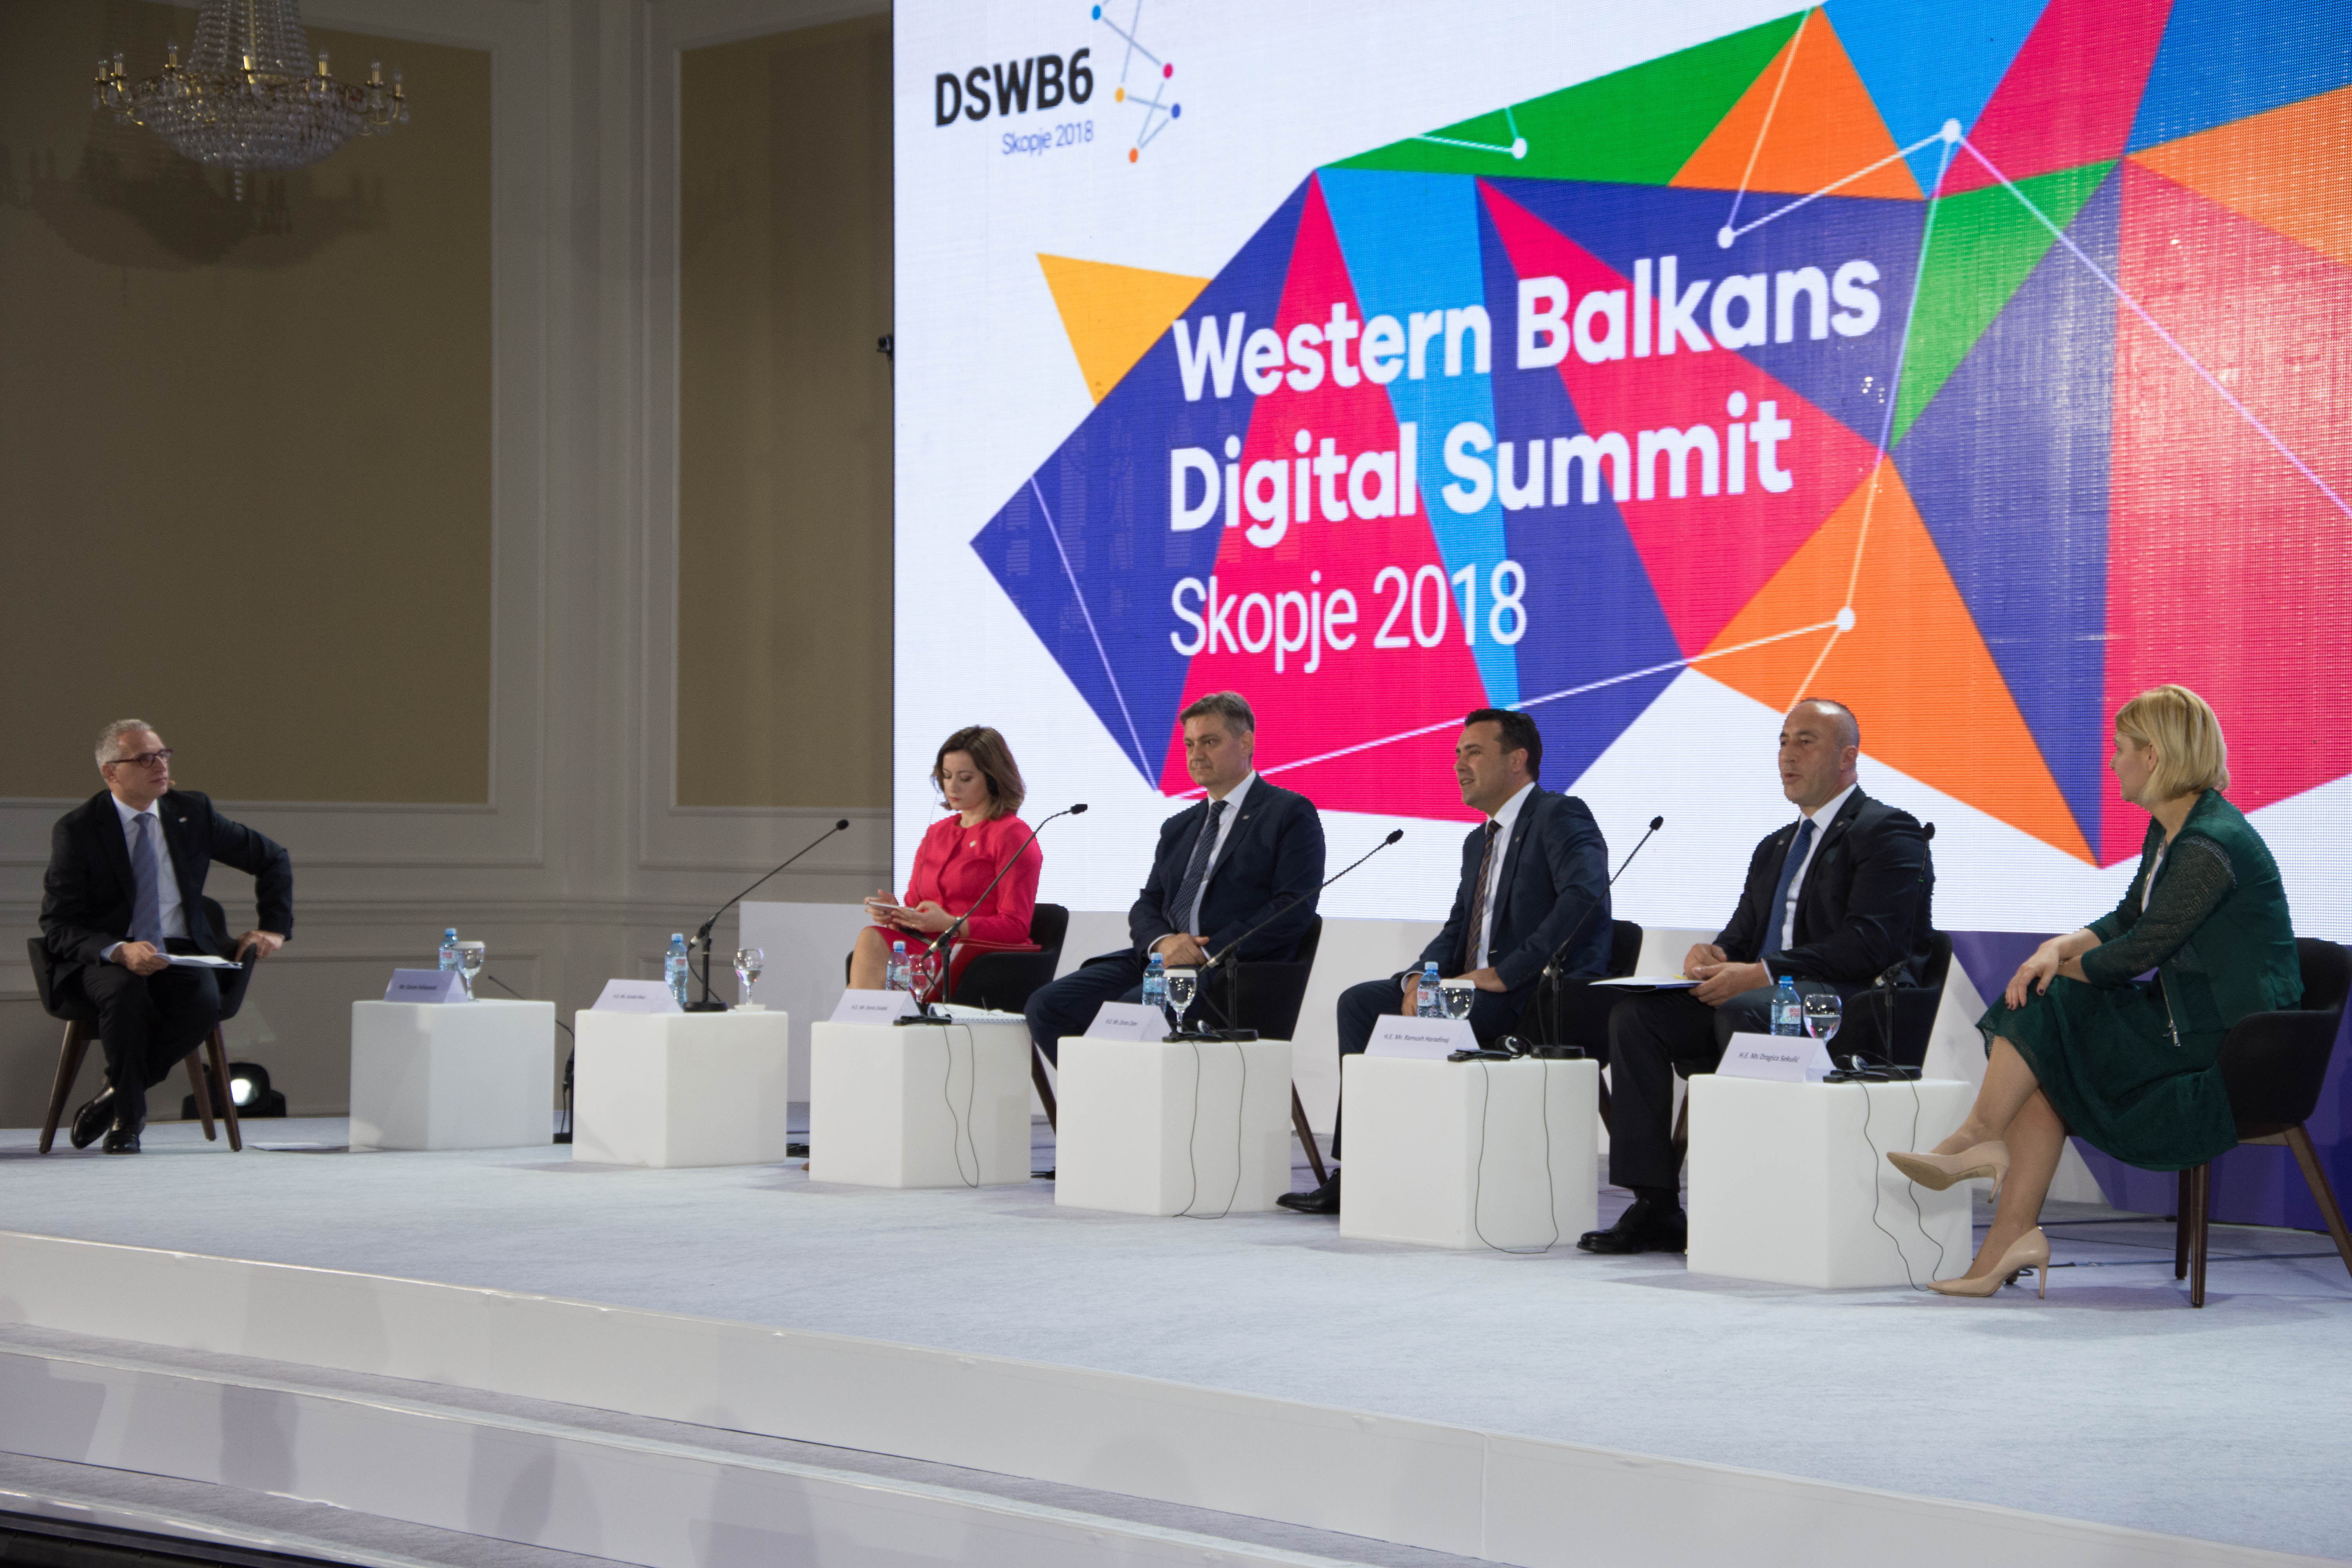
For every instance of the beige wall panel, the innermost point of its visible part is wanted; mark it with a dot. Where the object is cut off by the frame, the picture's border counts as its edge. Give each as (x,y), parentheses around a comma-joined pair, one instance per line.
(247,449)
(785,420)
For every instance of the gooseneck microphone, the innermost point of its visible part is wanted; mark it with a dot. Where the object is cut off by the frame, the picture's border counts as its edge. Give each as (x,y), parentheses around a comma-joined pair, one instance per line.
(710,1004)
(1228,956)
(946,939)
(1552,975)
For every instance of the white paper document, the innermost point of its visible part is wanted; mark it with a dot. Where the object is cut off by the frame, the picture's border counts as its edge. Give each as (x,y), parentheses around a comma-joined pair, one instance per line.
(1649,982)
(204,961)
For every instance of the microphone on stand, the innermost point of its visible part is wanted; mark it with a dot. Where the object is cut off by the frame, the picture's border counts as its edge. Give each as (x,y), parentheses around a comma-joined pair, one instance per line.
(1551,976)
(947,938)
(710,1004)
(1226,956)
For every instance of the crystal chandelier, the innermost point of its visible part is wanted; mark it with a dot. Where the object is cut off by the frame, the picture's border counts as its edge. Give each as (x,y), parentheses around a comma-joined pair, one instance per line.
(247,98)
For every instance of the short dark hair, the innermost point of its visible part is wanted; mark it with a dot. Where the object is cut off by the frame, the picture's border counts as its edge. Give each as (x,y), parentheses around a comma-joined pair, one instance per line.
(1519,734)
(1230,706)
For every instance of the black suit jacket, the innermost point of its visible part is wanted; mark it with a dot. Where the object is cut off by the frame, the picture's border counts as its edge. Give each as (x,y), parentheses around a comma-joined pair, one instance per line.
(1276,850)
(1865,903)
(87,894)
(1554,870)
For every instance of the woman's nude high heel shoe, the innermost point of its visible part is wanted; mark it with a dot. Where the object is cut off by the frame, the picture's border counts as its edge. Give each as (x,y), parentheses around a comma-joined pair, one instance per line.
(1936,1172)
(2031,1250)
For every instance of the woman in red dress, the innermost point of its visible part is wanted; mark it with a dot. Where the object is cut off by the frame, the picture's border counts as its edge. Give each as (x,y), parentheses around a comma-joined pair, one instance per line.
(980,784)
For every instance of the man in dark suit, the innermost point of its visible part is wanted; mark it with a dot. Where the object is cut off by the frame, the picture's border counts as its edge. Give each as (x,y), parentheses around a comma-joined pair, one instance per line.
(1534,871)
(1221,868)
(1834,900)
(124,892)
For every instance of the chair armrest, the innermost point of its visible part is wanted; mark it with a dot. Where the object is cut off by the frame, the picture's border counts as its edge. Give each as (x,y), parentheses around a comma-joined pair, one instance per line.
(2274,1064)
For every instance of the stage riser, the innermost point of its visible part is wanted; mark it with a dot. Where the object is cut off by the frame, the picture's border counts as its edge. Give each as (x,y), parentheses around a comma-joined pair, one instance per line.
(1448,1488)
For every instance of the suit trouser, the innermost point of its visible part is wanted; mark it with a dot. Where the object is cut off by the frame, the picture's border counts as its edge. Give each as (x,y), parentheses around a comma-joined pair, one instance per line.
(1068,1005)
(1649,1037)
(1361,1007)
(146,1023)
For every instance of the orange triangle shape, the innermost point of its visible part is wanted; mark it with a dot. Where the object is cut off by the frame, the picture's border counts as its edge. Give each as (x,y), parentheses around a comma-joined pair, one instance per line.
(2287,170)
(1806,123)
(1913,666)
(1114,315)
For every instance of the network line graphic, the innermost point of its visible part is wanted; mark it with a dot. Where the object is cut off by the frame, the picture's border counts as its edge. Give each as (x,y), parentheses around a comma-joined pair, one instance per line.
(1160,110)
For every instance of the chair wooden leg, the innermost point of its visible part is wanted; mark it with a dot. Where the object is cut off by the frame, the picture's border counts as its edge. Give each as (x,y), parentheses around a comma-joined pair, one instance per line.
(2200,1187)
(1606,1125)
(2307,1157)
(195,1062)
(218,1048)
(1306,1135)
(1682,1131)
(1044,1089)
(2180,1230)
(70,1051)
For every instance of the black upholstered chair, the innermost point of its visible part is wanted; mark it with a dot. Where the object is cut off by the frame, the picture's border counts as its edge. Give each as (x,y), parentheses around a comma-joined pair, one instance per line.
(69,1007)
(2275,1065)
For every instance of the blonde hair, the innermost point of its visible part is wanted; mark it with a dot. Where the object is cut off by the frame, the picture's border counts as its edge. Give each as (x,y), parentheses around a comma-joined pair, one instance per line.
(2191,755)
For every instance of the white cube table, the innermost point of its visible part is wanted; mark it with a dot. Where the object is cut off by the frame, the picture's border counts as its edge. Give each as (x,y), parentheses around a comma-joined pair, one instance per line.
(681,1088)
(1785,1186)
(1175,1127)
(459,1075)
(926,1105)
(1470,1154)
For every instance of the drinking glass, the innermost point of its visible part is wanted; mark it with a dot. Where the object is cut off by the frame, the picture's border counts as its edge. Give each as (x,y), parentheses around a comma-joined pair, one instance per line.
(749,962)
(1183,985)
(1457,999)
(471,955)
(1823,1013)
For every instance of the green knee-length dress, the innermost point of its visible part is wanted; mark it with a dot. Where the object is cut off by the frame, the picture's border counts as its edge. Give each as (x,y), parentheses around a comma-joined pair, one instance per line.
(2131,1065)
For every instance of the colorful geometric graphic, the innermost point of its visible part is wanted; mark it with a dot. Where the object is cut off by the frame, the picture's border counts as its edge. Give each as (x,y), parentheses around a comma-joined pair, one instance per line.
(1160,110)
(1980,364)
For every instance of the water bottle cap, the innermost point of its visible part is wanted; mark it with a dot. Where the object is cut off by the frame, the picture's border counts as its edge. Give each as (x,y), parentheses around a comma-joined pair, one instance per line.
(897,947)
(450,935)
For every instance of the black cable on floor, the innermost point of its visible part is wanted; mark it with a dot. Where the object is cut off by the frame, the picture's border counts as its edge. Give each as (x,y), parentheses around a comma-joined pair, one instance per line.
(1551,1185)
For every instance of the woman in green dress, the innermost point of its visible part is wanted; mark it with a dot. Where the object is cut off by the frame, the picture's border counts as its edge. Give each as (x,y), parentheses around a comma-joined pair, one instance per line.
(2077,1043)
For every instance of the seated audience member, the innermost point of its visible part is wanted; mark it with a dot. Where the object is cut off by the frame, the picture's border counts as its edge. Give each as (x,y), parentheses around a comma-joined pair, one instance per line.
(2078,1045)
(1531,873)
(123,893)
(980,787)
(1251,849)
(1834,900)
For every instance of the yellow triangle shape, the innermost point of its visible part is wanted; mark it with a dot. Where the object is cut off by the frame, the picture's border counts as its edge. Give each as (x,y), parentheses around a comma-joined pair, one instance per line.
(1114,315)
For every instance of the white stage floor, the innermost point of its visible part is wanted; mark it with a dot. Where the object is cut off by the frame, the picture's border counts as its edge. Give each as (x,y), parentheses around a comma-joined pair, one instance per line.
(2111,1402)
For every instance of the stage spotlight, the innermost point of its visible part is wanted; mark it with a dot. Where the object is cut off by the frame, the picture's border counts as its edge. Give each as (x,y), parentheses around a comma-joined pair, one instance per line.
(248,1090)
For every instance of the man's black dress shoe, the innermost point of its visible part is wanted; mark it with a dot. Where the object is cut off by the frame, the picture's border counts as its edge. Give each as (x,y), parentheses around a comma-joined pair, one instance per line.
(91,1119)
(1645,1226)
(121,1140)
(1323,1199)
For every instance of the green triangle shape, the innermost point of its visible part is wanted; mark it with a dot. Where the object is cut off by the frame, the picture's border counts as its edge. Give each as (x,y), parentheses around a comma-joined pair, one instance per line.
(1636,126)
(1983,245)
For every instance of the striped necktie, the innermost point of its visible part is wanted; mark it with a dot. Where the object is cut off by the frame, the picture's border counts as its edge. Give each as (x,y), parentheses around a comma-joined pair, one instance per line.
(1477,926)
(147,894)
(1196,871)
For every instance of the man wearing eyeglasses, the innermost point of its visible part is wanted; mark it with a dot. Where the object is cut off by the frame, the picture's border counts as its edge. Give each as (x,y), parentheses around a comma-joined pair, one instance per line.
(124,896)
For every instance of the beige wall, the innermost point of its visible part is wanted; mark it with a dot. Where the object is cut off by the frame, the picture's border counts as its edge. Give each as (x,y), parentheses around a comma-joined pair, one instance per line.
(785,420)
(246,448)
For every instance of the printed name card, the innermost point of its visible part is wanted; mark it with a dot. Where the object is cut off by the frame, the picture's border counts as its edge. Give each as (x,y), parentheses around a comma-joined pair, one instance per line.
(429,986)
(872,1006)
(1127,1021)
(1789,1058)
(635,996)
(1428,1039)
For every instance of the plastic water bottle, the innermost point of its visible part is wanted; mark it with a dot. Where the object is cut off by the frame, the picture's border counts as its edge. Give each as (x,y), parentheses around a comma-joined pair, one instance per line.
(675,966)
(894,974)
(1429,1003)
(451,957)
(1788,1008)
(1155,984)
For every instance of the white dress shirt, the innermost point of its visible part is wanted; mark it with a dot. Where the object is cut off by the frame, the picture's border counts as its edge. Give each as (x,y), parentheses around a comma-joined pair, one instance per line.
(1820,820)
(167,880)
(1225,820)
(1507,819)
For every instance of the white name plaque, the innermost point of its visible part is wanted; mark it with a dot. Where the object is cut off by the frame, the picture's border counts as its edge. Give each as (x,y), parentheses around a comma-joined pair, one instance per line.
(1791,1059)
(1429,1039)
(635,996)
(430,986)
(1127,1021)
(872,1006)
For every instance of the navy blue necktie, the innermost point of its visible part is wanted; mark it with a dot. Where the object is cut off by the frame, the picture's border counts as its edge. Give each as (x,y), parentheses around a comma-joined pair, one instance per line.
(1789,868)
(1196,871)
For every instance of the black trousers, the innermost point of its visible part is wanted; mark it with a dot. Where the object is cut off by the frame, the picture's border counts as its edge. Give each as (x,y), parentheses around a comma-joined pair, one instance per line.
(146,1023)
(1361,1007)
(1068,1005)
(1649,1037)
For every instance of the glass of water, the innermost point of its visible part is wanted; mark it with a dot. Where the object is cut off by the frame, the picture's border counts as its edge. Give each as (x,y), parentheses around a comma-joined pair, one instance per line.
(1824,1011)
(749,962)
(1183,987)
(1457,999)
(471,955)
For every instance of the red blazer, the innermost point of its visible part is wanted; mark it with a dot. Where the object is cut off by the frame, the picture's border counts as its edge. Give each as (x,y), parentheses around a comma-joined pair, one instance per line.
(954,863)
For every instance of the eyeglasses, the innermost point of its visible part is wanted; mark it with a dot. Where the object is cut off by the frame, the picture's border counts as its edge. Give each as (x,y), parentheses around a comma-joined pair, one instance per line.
(149,759)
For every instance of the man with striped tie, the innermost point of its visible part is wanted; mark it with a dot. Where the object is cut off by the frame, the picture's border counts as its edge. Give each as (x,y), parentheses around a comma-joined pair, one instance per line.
(1833,900)
(123,896)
